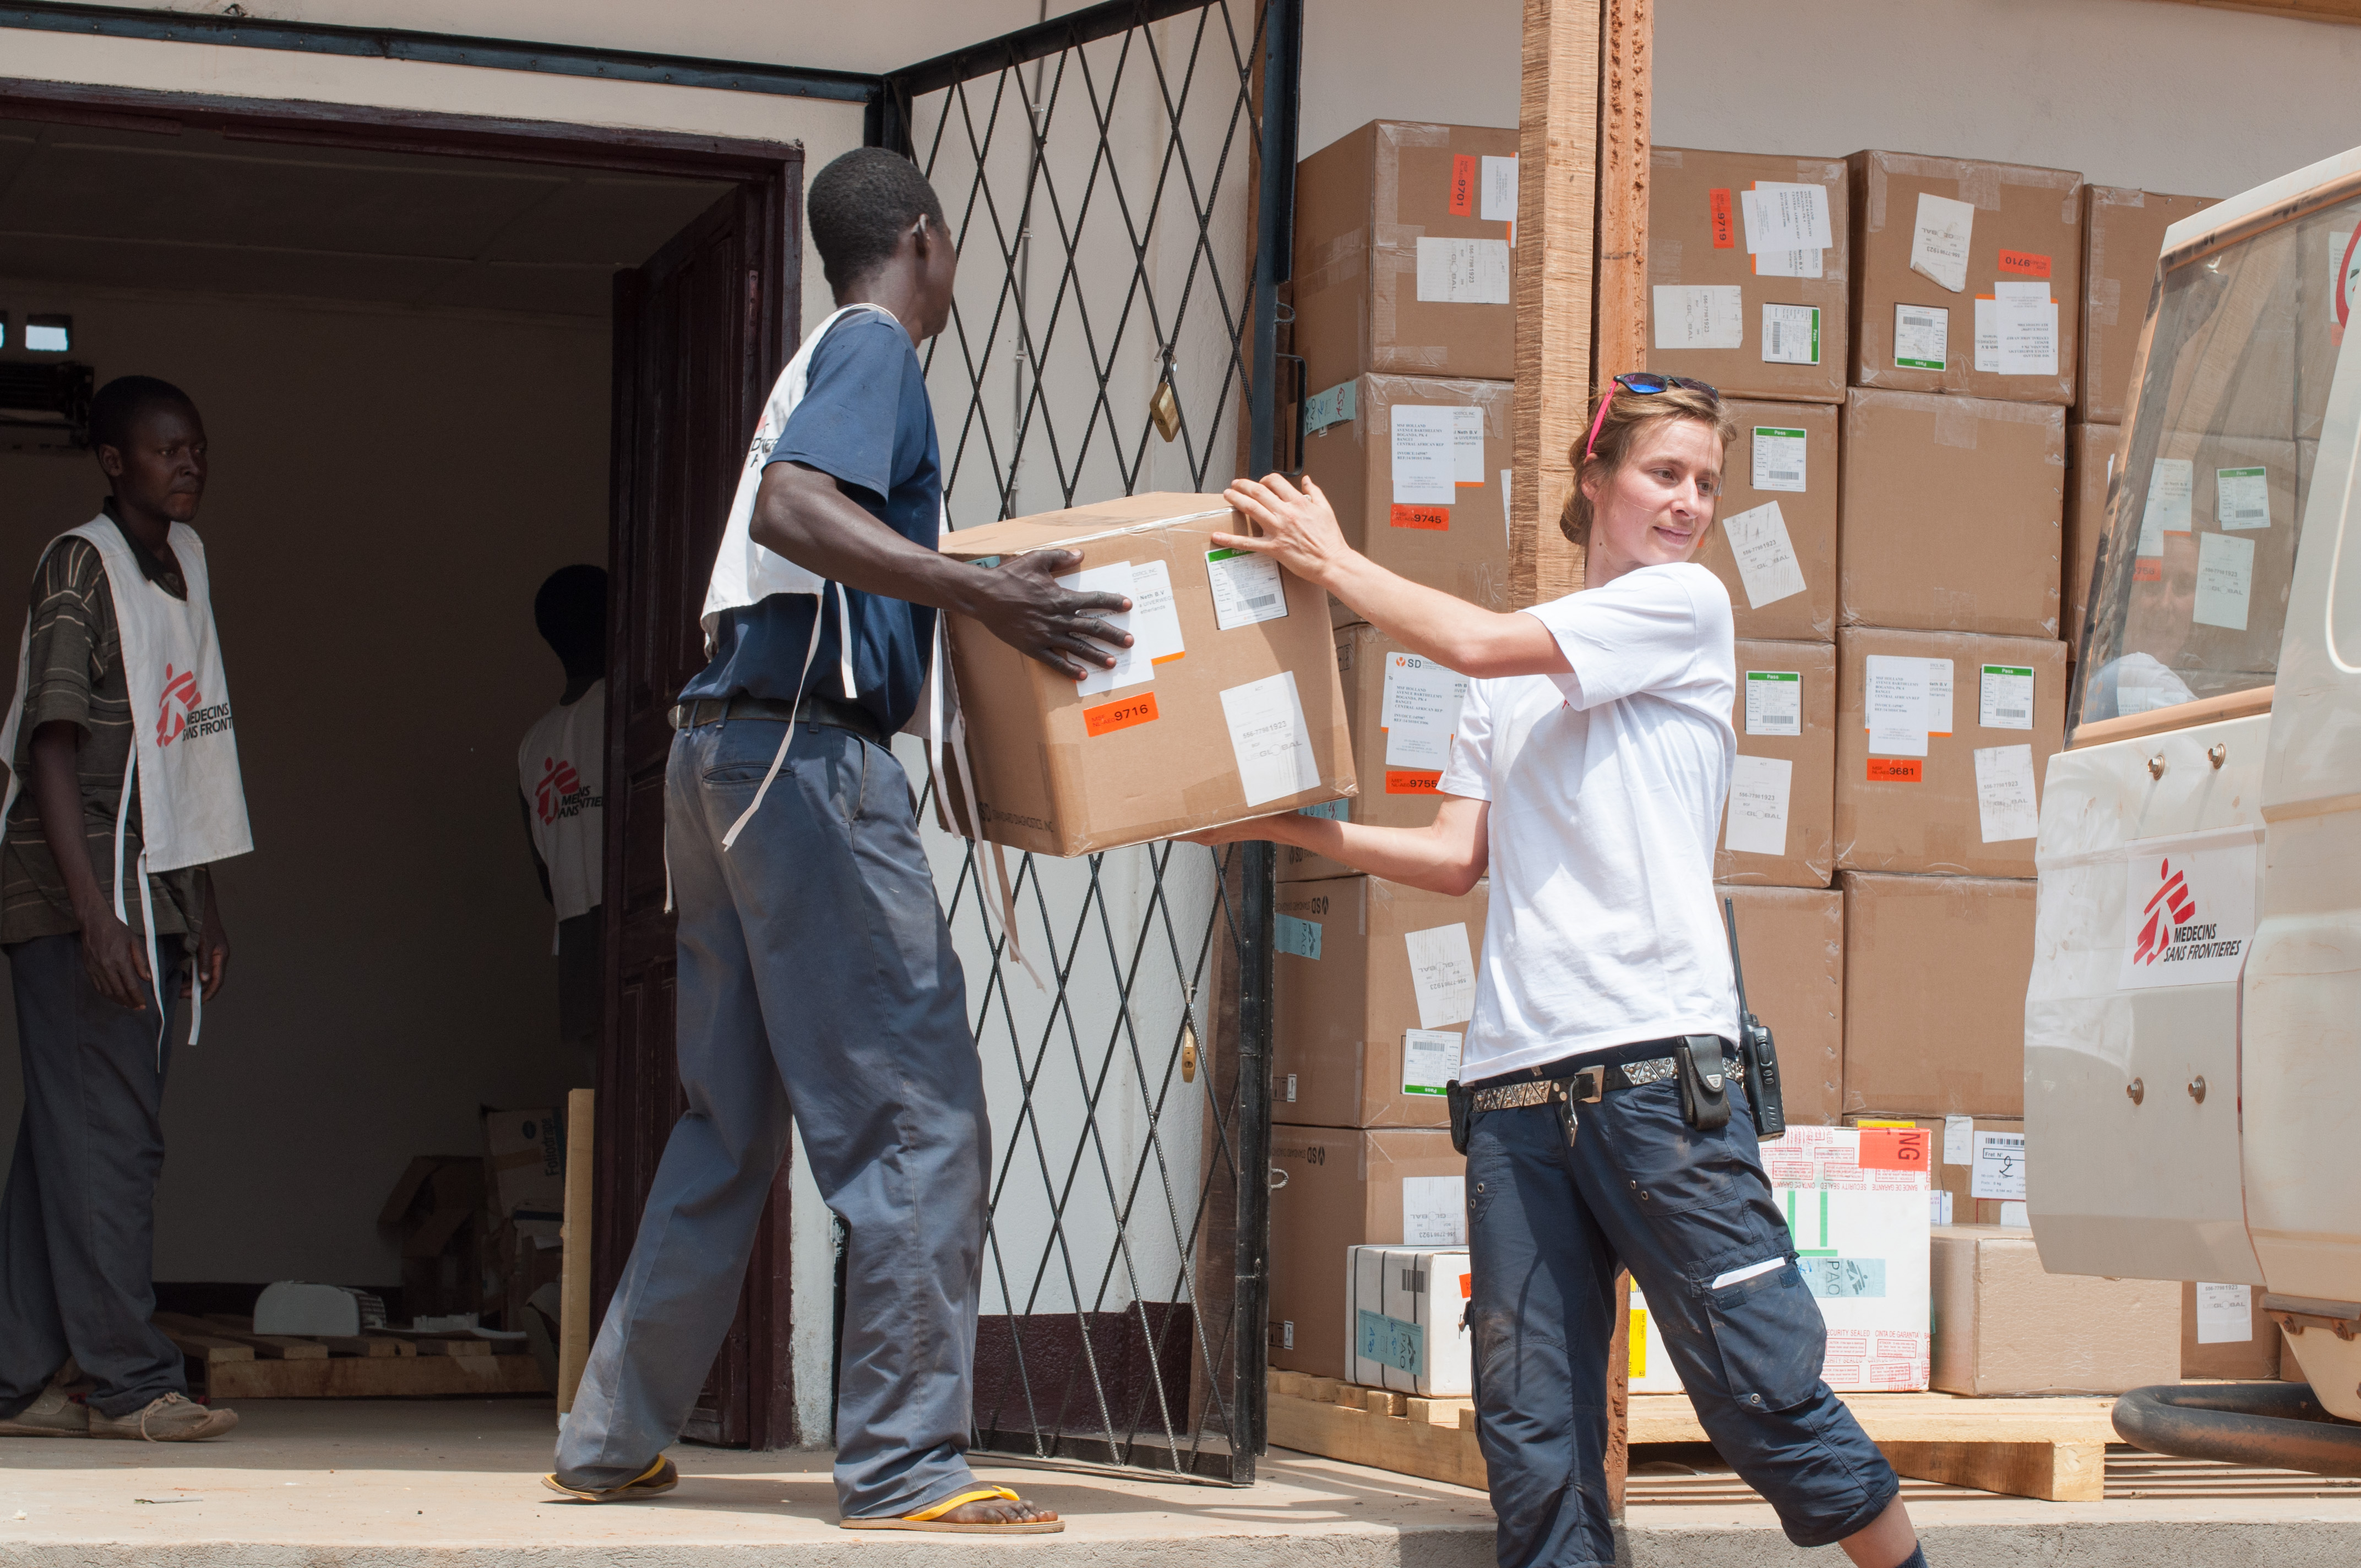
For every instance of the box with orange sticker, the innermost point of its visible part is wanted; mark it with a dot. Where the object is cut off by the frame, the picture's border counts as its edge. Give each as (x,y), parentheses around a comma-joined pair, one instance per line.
(1401,710)
(1227,706)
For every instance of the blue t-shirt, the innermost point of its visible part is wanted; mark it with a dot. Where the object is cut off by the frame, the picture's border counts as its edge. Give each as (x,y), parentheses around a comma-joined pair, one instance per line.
(866,423)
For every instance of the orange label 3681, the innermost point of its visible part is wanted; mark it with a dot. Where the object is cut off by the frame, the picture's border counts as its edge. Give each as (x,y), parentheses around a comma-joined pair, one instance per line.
(1110,717)
(1894,770)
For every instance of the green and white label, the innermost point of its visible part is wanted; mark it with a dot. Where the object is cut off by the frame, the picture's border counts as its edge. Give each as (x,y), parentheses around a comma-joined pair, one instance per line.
(1774,702)
(1921,337)
(1246,588)
(1430,1060)
(2007,701)
(1779,459)
(1791,335)
(2242,497)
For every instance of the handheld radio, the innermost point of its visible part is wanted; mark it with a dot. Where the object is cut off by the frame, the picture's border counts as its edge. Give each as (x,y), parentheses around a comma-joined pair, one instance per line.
(1755,1048)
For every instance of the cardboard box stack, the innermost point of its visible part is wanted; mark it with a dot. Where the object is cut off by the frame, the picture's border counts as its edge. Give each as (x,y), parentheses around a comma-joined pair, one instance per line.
(1337,1189)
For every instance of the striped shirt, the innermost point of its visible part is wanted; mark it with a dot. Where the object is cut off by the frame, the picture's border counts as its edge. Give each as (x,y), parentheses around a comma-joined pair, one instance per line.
(74,673)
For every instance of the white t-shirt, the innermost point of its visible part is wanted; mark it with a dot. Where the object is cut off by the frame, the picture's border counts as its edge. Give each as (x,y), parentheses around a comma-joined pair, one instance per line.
(1607,788)
(560,767)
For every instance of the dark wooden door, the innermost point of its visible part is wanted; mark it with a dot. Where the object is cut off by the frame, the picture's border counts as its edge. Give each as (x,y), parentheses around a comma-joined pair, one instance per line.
(700,332)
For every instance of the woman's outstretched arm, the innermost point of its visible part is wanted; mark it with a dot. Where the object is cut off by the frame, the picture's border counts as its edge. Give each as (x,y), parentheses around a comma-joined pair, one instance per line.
(1449,855)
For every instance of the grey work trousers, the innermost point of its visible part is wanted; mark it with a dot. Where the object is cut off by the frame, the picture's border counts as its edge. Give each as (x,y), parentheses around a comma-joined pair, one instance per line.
(77,1226)
(816,979)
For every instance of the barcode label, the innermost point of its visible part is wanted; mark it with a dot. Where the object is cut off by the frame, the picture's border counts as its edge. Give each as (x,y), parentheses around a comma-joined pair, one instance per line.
(1262,601)
(2005,698)
(1791,335)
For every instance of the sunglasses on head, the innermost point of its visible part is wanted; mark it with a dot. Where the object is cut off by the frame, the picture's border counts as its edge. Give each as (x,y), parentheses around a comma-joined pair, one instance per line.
(1643,382)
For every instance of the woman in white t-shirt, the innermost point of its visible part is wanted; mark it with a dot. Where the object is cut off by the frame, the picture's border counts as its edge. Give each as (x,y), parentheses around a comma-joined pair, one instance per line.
(1588,773)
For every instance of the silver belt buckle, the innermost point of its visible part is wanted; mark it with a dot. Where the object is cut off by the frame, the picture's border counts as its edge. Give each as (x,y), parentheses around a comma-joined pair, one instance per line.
(1587,1086)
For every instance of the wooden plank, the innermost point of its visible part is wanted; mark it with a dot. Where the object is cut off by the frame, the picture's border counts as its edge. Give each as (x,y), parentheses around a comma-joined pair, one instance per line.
(574,1280)
(1443,1412)
(1382,1442)
(268,1347)
(1914,1418)
(209,1349)
(1621,327)
(1323,1391)
(2053,1472)
(455,1348)
(375,1378)
(364,1344)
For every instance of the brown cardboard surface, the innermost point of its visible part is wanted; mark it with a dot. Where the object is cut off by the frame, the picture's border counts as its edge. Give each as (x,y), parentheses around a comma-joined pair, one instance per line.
(2123,232)
(2322,241)
(1791,945)
(1935,975)
(1697,238)
(2160,619)
(2090,456)
(1063,774)
(2257,1356)
(1362,204)
(2034,213)
(1461,548)
(1811,757)
(1336,1049)
(1391,796)
(1809,515)
(1951,514)
(1343,1190)
(2003,1325)
(1967,1209)
(1933,821)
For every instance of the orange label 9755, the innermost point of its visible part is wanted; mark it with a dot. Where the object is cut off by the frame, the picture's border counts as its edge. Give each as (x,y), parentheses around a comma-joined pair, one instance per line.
(1412,782)
(1435,518)
(1462,185)
(1894,770)
(1110,717)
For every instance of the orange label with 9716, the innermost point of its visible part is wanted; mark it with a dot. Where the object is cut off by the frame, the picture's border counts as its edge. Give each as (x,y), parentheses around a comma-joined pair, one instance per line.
(2025,264)
(1110,717)
(1400,781)
(1435,518)
(1894,770)
(1462,185)
(1895,1148)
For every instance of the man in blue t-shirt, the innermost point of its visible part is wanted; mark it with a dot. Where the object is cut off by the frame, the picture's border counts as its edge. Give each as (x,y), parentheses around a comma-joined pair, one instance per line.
(816,977)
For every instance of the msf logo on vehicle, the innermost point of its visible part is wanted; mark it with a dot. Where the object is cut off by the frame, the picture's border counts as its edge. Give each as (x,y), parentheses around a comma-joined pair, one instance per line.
(181,712)
(2170,911)
(2188,909)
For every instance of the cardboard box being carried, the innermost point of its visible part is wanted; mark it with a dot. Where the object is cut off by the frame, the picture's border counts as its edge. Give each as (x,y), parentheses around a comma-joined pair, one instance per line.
(1405,1317)
(1942,740)
(1339,1188)
(1417,470)
(1791,945)
(1226,707)
(2123,235)
(2224,1334)
(1935,975)
(1401,253)
(2004,1325)
(1401,710)
(1967,277)
(1776,826)
(1747,268)
(1951,510)
(2091,458)
(1774,542)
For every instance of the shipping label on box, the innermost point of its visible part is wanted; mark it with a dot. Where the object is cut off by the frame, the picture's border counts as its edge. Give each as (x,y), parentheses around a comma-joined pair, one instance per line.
(1746,262)
(1405,1317)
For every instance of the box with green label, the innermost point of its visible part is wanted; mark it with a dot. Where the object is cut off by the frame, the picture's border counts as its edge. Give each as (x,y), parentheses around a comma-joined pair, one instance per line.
(1774,544)
(1403,710)
(1777,821)
(1374,984)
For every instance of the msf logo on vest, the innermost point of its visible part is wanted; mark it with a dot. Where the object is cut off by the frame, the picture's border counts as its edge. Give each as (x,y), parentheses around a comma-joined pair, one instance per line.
(182,714)
(561,793)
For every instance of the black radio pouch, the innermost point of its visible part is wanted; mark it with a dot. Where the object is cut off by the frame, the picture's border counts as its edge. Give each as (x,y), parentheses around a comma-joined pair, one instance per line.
(1704,1083)
(1459,1099)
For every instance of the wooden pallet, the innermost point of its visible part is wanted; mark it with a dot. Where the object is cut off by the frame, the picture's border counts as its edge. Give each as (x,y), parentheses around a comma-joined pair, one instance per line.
(2054,1450)
(235,1362)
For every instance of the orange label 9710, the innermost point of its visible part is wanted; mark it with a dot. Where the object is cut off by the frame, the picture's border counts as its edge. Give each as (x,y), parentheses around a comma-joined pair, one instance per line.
(1725,232)
(1462,185)
(1110,717)
(1435,518)
(2023,263)
(1895,1148)
(1412,782)
(1894,770)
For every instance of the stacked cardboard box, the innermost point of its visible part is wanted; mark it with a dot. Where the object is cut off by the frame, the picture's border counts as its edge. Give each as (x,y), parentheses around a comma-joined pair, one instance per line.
(1338,1188)
(2006,1325)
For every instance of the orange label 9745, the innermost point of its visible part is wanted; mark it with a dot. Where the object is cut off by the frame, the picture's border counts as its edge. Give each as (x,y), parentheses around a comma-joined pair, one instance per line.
(1462,185)
(1110,717)
(1403,781)
(2023,263)
(1893,770)
(1435,518)
(1725,232)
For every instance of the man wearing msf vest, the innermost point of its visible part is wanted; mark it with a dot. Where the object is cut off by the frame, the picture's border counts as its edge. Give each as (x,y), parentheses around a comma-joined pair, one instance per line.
(123,788)
(559,766)
(816,977)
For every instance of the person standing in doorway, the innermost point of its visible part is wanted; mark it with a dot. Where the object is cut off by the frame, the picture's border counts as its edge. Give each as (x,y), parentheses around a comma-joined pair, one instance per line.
(123,788)
(817,976)
(560,766)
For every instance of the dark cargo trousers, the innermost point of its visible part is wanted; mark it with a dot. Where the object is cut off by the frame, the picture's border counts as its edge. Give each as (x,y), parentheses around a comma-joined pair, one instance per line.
(818,979)
(1550,1225)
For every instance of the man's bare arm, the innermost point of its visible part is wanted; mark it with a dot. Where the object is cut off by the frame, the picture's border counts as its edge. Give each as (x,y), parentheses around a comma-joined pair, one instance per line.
(117,966)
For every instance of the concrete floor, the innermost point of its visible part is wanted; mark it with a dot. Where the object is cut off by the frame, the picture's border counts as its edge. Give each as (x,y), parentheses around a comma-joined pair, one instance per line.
(452,1483)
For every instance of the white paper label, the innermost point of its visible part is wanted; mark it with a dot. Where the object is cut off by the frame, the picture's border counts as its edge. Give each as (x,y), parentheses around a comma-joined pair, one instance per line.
(1270,739)
(2226,1314)
(1959,1140)
(1246,588)
(1938,243)
(1424,466)
(1434,1211)
(1785,218)
(1999,1171)
(1779,458)
(2026,321)
(1467,446)
(1508,512)
(1766,559)
(1499,200)
(1758,805)
(1788,264)
(1896,706)
(1463,271)
(1442,973)
(1791,335)
(1938,1207)
(2016,1214)
(1987,360)
(1154,615)
(2005,701)
(1921,337)
(1700,317)
(2242,497)
(1430,1060)
(2189,913)
(2225,581)
(2006,807)
(1132,664)
(1774,702)
(2169,484)
(1938,696)
(1419,711)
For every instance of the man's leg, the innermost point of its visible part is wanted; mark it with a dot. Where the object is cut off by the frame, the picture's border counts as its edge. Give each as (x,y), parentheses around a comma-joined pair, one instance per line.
(680,1288)
(1541,1313)
(32,1336)
(581,994)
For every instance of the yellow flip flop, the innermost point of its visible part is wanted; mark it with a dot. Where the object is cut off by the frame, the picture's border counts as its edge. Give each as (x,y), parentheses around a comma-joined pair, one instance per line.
(654,1481)
(931,1518)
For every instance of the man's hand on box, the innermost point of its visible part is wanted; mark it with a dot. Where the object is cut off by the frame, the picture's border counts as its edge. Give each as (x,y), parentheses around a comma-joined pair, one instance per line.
(1027,609)
(1299,529)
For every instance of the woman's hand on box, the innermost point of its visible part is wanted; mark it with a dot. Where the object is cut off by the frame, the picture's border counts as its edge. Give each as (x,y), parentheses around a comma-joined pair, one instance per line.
(1024,607)
(1299,528)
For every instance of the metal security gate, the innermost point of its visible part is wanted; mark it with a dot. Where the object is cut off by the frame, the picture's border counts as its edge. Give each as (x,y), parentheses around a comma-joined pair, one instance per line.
(1121,183)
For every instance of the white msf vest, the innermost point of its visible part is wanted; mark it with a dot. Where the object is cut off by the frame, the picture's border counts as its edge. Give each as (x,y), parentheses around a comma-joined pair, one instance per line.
(184,742)
(560,767)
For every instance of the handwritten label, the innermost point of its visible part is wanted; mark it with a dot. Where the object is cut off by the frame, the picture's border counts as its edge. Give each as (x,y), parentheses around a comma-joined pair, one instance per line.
(1896,770)
(1110,717)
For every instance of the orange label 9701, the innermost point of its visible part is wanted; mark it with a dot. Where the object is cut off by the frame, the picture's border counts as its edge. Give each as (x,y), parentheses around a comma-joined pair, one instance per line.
(1895,1148)
(1412,782)
(1894,770)
(2023,263)
(1435,518)
(1462,185)
(1110,717)
(1725,232)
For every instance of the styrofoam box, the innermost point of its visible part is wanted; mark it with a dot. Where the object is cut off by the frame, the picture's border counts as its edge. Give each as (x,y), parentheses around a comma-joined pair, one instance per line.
(1405,1318)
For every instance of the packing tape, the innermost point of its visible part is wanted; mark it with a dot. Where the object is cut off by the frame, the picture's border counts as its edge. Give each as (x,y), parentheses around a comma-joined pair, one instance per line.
(1338,262)
(1664,157)
(1955,422)
(1664,261)
(2105,295)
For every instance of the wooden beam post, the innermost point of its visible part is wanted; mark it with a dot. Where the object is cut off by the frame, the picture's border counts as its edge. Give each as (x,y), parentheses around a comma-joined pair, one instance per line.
(1622,326)
(574,1271)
